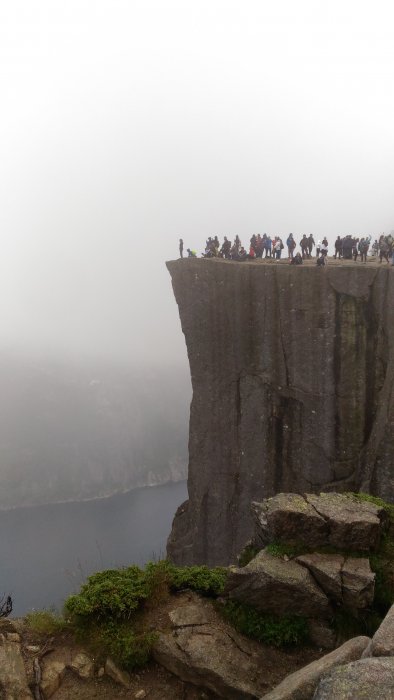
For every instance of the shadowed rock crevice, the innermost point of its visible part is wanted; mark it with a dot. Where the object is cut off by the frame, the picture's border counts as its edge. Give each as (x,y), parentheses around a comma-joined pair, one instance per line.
(292,373)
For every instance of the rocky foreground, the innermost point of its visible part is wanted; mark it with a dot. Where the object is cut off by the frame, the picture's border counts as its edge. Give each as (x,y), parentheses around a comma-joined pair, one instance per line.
(310,560)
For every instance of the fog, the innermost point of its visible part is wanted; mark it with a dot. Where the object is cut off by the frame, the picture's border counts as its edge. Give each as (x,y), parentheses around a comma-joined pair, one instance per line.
(127,124)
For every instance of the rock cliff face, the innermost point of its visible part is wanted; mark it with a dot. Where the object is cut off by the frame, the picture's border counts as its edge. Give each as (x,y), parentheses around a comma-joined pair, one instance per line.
(292,371)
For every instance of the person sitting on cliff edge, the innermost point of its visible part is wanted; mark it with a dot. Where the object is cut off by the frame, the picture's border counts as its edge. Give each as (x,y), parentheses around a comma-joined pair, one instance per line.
(296,260)
(191,253)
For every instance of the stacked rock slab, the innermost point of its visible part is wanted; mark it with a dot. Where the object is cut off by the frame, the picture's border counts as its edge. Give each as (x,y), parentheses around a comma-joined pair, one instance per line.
(312,584)
(279,587)
(292,374)
(200,648)
(329,519)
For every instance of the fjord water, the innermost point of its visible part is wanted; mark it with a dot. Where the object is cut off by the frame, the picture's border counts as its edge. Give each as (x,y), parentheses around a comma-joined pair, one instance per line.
(46,552)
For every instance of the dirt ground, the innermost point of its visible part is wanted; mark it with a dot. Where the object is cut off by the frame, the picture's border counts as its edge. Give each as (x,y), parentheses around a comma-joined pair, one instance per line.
(157,683)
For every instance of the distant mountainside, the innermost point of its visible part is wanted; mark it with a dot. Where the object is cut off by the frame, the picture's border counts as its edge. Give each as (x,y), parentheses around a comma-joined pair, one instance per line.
(71,433)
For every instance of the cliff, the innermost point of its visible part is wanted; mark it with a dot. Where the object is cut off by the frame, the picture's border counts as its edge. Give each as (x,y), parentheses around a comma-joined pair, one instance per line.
(292,373)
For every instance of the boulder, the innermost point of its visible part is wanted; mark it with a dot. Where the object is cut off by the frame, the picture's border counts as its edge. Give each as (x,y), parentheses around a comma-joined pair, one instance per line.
(372,679)
(358,583)
(117,675)
(348,581)
(327,570)
(288,518)
(383,640)
(353,525)
(13,680)
(302,684)
(202,649)
(279,587)
(82,665)
(52,675)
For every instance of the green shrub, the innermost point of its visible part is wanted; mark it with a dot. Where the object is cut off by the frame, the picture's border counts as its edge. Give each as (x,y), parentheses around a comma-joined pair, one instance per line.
(45,622)
(209,582)
(128,648)
(368,498)
(248,553)
(115,594)
(276,631)
(108,612)
(278,549)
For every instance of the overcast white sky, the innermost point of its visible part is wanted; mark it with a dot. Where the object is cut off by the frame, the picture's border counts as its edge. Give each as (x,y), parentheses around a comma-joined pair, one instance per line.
(127,124)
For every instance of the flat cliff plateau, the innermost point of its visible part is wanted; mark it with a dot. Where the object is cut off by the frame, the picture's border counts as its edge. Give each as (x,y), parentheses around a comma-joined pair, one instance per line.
(292,371)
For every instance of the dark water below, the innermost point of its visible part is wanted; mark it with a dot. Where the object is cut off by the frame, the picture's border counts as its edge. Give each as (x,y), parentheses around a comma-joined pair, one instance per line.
(46,552)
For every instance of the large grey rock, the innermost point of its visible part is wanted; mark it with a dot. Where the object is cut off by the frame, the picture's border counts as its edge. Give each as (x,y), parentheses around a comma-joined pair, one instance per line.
(383,640)
(52,675)
(353,525)
(327,570)
(358,582)
(289,518)
(13,680)
(202,649)
(348,581)
(301,685)
(292,374)
(82,665)
(280,587)
(372,679)
(116,673)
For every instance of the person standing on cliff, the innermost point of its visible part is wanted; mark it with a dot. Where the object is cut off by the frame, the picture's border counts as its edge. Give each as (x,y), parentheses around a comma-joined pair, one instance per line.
(181,247)
(311,243)
(291,244)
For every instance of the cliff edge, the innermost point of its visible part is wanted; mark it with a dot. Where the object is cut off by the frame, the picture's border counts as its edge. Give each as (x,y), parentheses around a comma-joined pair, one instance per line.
(292,372)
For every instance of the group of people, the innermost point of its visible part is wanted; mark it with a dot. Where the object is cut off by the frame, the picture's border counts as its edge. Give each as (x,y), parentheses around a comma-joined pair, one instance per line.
(350,248)
(347,247)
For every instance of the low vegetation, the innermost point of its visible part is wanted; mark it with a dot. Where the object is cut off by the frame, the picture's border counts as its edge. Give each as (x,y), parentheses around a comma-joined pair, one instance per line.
(109,610)
(45,622)
(278,632)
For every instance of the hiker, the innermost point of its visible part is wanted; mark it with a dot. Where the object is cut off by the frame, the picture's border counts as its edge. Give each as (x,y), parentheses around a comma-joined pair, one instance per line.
(384,249)
(297,260)
(278,248)
(324,247)
(191,253)
(225,249)
(291,244)
(252,252)
(321,260)
(181,247)
(304,246)
(338,247)
(347,247)
(259,246)
(311,244)
(356,248)
(363,247)
(267,246)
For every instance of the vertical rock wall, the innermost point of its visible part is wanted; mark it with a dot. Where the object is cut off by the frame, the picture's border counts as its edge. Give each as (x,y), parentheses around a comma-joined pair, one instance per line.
(292,373)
